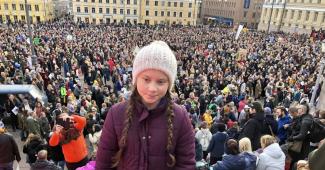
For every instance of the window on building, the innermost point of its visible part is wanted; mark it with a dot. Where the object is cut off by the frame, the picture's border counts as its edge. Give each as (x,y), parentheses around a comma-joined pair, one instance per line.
(168,13)
(147,13)
(93,10)
(78,9)
(147,2)
(107,1)
(156,13)
(114,11)
(245,14)
(175,4)
(169,4)
(93,1)
(107,10)
(128,11)
(100,1)
(135,2)
(162,13)
(36,8)
(135,22)
(23,17)
(189,14)
(100,10)
(181,4)
(163,3)
(175,14)
(85,0)
(108,20)
(135,12)
(323,20)
(21,7)
(114,1)
(180,14)
(121,11)
(307,16)
(6,6)
(77,0)
(94,20)
(156,3)
(87,20)
(15,18)
(13,7)
(319,1)
(121,1)
(30,7)
(299,15)
(86,9)
(190,5)
(101,21)
(128,2)
(315,16)
(78,19)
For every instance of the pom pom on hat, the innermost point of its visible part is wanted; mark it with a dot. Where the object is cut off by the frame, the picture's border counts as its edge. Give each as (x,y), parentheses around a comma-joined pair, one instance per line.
(157,55)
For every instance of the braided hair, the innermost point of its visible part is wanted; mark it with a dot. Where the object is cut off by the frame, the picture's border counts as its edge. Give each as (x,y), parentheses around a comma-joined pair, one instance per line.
(127,124)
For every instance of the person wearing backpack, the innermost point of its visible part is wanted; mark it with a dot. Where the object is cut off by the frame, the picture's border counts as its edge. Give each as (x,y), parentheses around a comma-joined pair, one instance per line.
(204,136)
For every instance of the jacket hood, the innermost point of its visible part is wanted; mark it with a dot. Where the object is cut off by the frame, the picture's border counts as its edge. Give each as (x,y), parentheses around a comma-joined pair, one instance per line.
(40,164)
(259,116)
(273,151)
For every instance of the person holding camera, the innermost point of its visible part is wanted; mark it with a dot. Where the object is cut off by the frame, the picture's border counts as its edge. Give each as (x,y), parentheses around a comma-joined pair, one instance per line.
(68,133)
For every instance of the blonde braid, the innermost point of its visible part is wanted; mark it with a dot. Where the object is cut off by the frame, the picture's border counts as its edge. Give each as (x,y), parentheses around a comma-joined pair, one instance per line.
(170,118)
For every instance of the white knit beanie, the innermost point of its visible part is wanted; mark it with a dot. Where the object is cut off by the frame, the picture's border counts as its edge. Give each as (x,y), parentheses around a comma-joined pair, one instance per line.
(157,55)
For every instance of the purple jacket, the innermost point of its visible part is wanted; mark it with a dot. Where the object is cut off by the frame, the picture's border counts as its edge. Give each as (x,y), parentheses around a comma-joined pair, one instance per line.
(147,139)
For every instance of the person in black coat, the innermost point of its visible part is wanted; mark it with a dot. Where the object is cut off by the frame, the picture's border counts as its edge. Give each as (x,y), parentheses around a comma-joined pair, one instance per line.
(42,163)
(32,146)
(298,131)
(217,144)
(254,126)
(270,125)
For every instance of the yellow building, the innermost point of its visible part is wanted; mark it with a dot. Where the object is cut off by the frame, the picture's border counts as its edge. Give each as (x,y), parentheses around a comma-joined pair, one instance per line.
(14,10)
(136,11)
(292,15)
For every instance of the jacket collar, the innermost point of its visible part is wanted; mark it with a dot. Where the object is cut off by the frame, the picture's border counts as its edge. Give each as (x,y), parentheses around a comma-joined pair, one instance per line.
(143,112)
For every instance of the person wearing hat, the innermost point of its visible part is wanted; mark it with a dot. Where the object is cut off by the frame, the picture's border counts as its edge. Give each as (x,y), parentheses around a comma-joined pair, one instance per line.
(8,149)
(148,131)
(254,126)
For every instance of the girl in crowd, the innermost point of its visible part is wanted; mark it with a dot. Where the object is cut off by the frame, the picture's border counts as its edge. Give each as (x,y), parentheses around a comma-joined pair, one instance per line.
(148,131)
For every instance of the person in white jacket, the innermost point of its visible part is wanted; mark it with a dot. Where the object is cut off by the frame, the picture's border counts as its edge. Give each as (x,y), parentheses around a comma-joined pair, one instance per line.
(95,137)
(204,137)
(272,157)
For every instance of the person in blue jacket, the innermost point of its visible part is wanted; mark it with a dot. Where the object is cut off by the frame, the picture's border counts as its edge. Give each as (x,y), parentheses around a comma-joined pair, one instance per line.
(217,144)
(284,120)
(233,160)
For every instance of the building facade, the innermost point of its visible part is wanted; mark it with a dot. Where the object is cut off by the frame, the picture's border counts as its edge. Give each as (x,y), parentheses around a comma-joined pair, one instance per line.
(62,7)
(293,15)
(232,12)
(136,11)
(14,10)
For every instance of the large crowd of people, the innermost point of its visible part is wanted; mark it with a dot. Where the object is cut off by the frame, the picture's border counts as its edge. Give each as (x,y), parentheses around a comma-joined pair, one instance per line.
(247,98)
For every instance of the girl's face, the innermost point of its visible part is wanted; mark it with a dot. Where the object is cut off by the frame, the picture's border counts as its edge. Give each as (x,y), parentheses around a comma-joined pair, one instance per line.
(152,85)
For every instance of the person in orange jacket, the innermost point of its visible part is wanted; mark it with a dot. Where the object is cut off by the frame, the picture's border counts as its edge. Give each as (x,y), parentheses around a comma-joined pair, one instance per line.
(68,133)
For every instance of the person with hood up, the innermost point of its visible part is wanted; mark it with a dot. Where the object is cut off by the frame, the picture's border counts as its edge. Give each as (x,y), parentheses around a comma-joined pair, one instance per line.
(254,126)
(272,157)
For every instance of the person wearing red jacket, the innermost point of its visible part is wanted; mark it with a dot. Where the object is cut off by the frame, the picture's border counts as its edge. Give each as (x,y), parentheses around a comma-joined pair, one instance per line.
(68,133)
